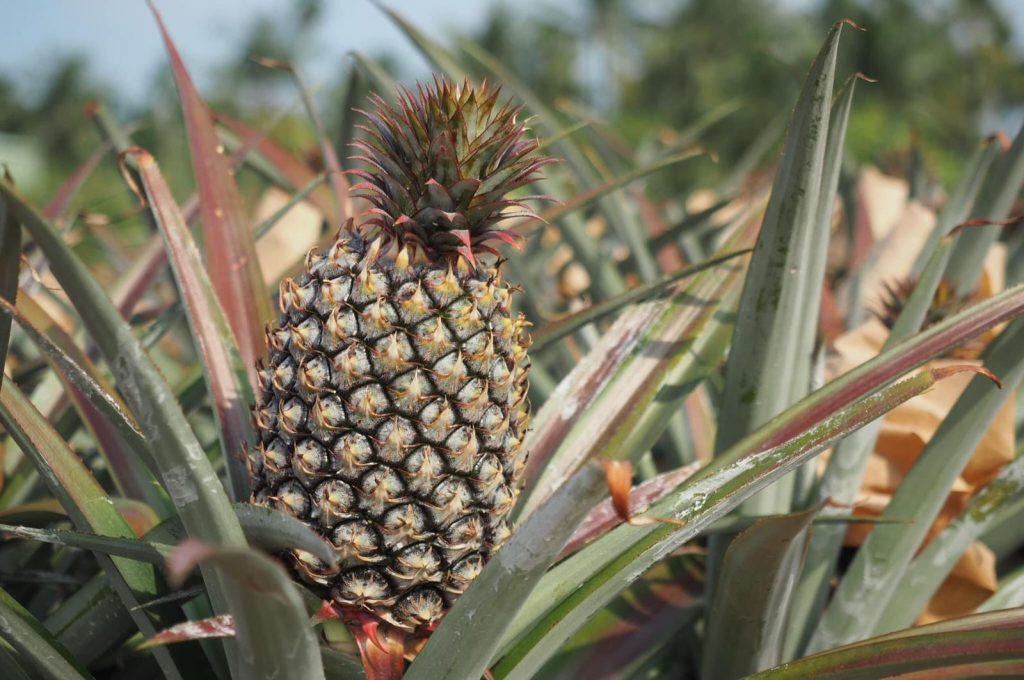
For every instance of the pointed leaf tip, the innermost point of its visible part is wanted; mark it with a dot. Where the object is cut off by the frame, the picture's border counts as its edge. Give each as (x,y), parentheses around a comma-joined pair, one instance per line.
(947,371)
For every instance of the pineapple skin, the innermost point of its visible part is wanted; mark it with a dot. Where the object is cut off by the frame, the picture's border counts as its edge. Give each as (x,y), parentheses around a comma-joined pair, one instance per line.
(390,421)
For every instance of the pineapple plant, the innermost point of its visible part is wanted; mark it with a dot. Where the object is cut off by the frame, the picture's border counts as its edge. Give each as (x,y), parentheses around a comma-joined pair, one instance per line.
(381,466)
(393,403)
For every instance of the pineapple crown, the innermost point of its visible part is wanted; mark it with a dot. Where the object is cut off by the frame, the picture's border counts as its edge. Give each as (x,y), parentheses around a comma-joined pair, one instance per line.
(441,164)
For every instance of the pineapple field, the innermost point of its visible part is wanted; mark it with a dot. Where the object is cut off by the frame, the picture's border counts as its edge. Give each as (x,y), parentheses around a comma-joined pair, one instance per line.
(471,383)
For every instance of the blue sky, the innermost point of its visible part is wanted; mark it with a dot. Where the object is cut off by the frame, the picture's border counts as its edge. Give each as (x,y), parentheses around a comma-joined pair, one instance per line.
(123,46)
(121,41)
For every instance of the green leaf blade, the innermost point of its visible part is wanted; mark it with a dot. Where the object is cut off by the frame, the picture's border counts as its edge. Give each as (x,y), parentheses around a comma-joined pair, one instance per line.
(226,376)
(769,366)
(746,623)
(480,616)
(35,644)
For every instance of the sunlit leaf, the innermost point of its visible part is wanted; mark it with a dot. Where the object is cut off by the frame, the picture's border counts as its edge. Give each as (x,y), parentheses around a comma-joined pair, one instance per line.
(231,255)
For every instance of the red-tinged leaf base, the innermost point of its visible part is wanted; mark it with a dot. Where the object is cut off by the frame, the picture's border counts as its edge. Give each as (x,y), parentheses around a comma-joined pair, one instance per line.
(382,647)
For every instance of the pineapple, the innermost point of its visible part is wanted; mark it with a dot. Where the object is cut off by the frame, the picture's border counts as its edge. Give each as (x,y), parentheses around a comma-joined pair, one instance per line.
(393,405)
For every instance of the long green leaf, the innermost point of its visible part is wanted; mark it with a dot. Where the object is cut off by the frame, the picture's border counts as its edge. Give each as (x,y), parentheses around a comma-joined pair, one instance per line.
(769,364)
(270,615)
(745,625)
(281,166)
(649,360)
(476,623)
(128,548)
(56,209)
(649,620)
(816,408)
(442,58)
(845,470)
(584,583)
(266,528)
(338,666)
(1009,594)
(816,234)
(620,212)
(928,569)
(386,86)
(91,621)
(998,193)
(302,194)
(559,329)
(606,188)
(960,201)
(231,254)
(975,640)
(274,530)
(335,174)
(9,666)
(106,408)
(86,503)
(185,471)
(35,645)
(1004,533)
(880,566)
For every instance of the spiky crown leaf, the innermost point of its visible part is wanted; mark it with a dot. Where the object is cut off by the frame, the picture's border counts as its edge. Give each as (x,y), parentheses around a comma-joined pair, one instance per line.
(440,167)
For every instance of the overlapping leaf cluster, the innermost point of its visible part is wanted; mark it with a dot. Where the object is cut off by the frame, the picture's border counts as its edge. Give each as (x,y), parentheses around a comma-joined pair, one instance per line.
(697,363)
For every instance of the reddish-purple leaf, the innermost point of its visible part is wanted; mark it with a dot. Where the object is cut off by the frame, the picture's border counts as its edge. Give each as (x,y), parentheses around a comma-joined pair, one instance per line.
(903,357)
(231,254)
(59,202)
(583,385)
(222,626)
(10,256)
(221,364)
(297,173)
(96,401)
(975,641)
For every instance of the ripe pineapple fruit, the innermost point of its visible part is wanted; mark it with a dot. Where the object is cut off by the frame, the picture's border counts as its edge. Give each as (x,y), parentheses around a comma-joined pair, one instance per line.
(393,406)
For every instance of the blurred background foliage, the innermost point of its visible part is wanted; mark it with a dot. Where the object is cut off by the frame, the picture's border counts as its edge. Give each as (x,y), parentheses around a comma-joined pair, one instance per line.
(947,71)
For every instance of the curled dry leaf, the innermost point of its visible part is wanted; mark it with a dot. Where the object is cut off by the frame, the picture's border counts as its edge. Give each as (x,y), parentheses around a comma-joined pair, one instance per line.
(619,475)
(606,515)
